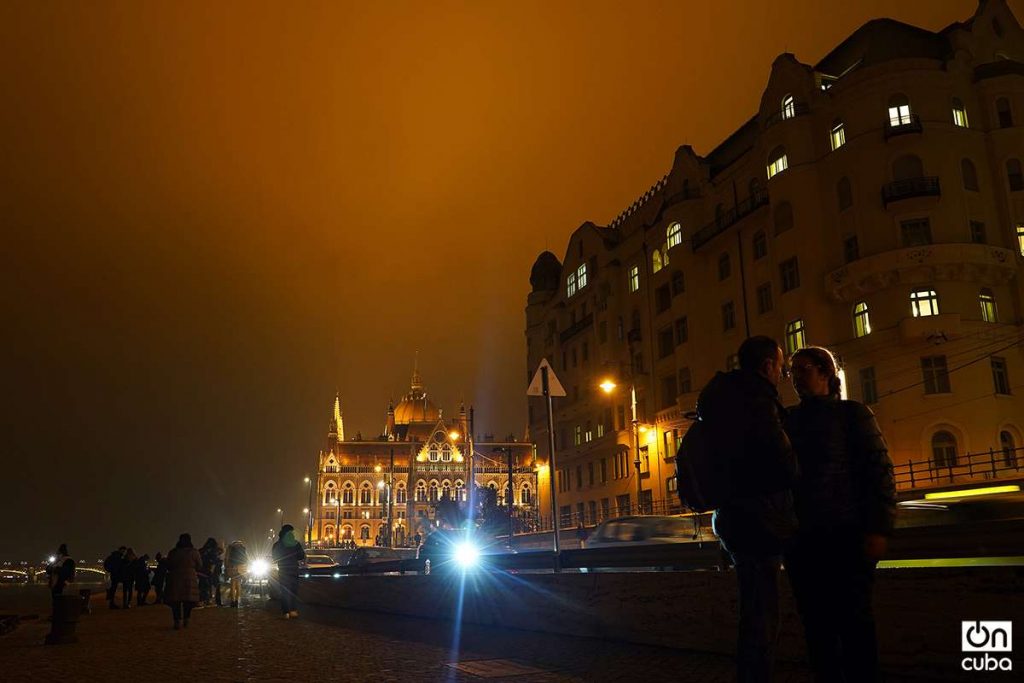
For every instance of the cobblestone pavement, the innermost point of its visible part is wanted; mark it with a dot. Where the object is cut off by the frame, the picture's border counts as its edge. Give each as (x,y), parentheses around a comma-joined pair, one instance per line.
(255,644)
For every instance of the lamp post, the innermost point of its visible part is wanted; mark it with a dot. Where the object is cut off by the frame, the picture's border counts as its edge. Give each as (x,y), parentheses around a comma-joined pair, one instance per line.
(608,386)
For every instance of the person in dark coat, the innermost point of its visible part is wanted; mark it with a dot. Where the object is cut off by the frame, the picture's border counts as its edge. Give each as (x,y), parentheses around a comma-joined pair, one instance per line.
(182,590)
(743,416)
(112,565)
(61,571)
(142,581)
(288,553)
(846,505)
(160,577)
(128,578)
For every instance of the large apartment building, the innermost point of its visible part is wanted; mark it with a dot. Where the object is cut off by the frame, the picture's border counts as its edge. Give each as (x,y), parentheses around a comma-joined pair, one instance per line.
(874,205)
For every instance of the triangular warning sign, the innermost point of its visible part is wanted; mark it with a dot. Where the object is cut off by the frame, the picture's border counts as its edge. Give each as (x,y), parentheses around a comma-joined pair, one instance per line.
(536,387)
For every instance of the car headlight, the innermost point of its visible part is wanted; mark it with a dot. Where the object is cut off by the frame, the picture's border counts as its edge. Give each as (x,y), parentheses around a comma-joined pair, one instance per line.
(259,568)
(466,554)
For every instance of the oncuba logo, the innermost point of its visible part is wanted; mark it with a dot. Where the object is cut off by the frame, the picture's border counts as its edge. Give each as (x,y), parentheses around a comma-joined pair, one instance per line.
(982,638)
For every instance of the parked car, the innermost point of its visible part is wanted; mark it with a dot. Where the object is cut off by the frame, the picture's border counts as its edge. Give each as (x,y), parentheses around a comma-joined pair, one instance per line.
(366,556)
(320,562)
(643,530)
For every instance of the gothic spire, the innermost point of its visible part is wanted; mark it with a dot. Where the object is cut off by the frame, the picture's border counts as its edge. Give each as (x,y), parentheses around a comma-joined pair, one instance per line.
(338,421)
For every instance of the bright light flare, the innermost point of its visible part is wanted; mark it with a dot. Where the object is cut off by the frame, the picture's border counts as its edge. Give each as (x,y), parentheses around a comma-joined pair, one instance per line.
(259,568)
(51,559)
(454,435)
(467,555)
(607,386)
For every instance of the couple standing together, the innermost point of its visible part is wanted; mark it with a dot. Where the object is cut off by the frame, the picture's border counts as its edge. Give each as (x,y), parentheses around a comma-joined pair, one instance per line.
(812,488)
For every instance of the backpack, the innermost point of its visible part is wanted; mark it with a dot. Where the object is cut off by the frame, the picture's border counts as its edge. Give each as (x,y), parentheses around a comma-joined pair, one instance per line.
(702,473)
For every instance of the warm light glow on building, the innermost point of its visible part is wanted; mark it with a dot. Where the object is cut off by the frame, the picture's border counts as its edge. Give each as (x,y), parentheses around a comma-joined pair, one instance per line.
(965,493)
(607,386)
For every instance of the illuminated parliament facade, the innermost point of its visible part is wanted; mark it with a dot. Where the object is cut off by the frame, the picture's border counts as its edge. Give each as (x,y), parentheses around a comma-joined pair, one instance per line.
(874,204)
(384,490)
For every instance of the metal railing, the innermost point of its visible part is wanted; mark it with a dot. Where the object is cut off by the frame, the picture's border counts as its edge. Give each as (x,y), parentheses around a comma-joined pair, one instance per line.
(577,327)
(925,186)
(797,109)
(912,125)
(986,465)
(729,218)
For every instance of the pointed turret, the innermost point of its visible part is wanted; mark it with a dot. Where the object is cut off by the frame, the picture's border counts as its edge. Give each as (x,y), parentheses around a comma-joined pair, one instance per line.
(417,381)
(336,429)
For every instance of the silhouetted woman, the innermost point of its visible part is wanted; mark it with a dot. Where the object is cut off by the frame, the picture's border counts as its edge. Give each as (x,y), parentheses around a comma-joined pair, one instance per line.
(182,590)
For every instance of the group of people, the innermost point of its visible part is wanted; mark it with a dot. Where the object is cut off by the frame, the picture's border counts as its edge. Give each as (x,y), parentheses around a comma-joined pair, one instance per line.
(811,489)
(133,575)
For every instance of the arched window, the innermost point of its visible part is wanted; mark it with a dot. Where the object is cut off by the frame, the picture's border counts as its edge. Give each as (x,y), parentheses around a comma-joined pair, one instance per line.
(837,136)
(446,490)
(906,167)
(1003,112)
(988,306)
(777,161)
(401,494)
(844,193)
(656,263)
(861,320)
(899,111)
(330,493)
(1008,446)
(970,175)
(348,494)
(346,533)
(944,450)
(1014,175)
(783,217)
(365,494)
(796,336)
(959,113)
(421,491)
(760,244)
(364,532)
(433,492)
(329,532)
(435,452)
(460,490)
(674,235)
(788,107)
(525,495)
(446,453)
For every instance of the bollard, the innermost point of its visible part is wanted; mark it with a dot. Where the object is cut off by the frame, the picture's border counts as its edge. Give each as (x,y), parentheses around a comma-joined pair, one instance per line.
(85,594)
(66,609)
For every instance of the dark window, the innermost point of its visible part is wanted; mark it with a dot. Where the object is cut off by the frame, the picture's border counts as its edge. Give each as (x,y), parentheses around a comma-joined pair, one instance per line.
(844,194)
(1000,376)
(851,249)
(682,330)
(685,381)
(602,332)
(579,476)
(1014,175)
(585,352)
(868,387)
(970,175)
(944,449)
(978,232)
(665,343)
(620,329)
(724,266)
(1009,447)
(662,298)
(764,298)
(906,167)
(936,375)
(789,272)
(728,316)
(1003,112)
(678,283)
(668,391)
(760,245)
(916,233)
(783,217)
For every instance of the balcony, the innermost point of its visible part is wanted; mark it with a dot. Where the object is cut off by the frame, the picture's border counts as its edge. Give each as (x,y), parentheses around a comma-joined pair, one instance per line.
(980,263)
(577,327)
(729,218)
(913,125)
(898,190)
(799,109)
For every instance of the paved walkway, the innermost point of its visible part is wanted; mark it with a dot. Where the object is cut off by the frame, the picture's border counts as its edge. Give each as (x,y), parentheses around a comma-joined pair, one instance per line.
(255,644)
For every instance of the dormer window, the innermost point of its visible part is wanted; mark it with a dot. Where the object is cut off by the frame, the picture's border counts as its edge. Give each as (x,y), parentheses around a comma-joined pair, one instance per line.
(674,234)
(838,135)
(576,280)
(570,285)
(959,113)
(788,107)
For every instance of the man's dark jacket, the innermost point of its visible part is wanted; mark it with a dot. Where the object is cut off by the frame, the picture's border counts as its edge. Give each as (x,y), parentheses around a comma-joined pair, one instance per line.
(846,480)
(743,415)
(288,557)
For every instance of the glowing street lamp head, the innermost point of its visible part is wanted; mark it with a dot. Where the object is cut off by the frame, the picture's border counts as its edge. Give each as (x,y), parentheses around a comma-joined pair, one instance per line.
(305,511)
(466,554)
(305,480)
(376,468)
(454,435)
(607,386)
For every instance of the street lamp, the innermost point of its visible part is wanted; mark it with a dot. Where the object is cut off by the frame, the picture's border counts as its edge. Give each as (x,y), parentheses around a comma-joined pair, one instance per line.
(608,386)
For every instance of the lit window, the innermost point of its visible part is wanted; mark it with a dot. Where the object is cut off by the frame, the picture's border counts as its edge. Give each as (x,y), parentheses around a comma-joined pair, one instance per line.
(899,111)
(578,435)
(656,262)
(796,336)
(924,302)
(861,320)
(838,135)
(581,276)
(959,113)
(570,285)
(675,235)
(634,278)
(988,306)
(788,107)
(1020,238)
(777,162)
(935,375)
(1000,376)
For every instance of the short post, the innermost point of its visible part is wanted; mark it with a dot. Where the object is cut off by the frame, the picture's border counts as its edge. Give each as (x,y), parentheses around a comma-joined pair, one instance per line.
(992,455)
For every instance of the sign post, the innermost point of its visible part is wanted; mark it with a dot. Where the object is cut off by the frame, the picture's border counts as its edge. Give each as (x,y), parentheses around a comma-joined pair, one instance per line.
(546,384)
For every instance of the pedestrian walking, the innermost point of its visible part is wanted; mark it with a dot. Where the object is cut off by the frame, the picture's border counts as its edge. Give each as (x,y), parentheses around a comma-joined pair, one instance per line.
(846,503)
(112,565)
(236,564)
(160,577)
(182,590)
(288,553)
(128,578)
(142,581)
(60,572)
(743,417)
(581,534)
(213,568)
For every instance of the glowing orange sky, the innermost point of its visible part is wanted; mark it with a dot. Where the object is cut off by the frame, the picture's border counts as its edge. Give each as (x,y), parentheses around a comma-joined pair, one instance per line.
(215,214)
